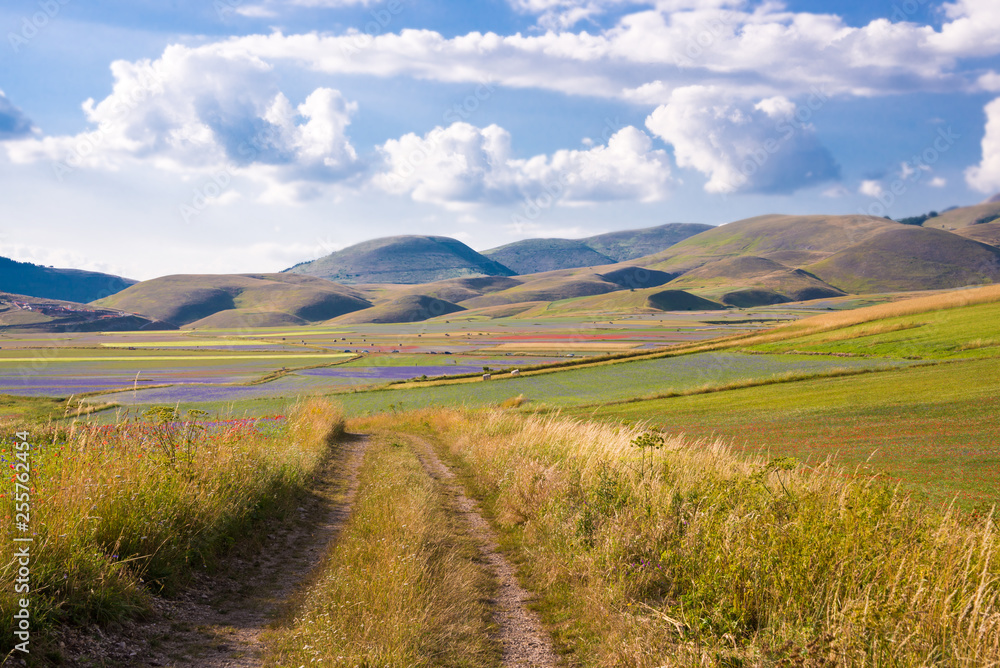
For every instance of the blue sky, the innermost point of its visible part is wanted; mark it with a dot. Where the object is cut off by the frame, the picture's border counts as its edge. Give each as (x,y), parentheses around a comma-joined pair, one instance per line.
(147,138)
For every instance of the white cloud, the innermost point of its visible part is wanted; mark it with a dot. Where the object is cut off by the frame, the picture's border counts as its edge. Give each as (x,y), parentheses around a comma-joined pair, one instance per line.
(985,177)
(462,166)
(200,111)
(763,51)
(256,12)
(740,145)
(937,182)
(989,82)
(871,188)
(836,192)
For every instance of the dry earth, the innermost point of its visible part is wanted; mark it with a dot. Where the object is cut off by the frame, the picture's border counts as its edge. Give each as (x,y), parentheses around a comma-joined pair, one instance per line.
(524,641)
(219,620)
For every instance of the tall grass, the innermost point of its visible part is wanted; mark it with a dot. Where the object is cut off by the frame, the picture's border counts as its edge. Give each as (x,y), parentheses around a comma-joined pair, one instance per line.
(125,510)
(681,553)
(841,319)
(401,588)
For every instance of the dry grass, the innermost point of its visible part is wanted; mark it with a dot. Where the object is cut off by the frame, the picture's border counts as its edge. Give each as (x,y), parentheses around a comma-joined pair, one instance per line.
(840,319)
(402,587)
(121,511)
(688,555)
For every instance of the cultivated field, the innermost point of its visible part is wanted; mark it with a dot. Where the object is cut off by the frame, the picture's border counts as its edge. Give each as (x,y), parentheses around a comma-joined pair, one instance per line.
(820,493)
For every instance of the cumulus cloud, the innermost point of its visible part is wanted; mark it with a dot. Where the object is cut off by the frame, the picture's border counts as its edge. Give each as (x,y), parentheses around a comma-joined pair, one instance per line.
(741,145)
(985,177)
(13,122)
(197,110)
(463,165)
(871,188)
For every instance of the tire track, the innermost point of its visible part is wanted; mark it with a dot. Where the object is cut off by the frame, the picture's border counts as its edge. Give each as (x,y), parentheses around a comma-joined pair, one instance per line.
(219,621)
(524,641)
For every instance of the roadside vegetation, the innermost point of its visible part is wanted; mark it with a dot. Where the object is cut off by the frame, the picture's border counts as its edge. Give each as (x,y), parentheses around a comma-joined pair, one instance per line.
(401,587)
(652,550)
(119,512)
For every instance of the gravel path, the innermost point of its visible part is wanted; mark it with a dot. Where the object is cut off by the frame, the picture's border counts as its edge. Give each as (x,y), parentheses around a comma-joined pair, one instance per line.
(524,641)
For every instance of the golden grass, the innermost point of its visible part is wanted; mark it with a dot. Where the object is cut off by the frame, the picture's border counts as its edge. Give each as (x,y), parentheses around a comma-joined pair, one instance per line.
(688,554)
(121,511)
(840,319)
(402,587)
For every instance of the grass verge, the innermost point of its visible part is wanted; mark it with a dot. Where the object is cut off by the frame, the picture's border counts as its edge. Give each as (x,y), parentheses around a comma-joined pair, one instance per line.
(649,551)
(402,587)
(118,512)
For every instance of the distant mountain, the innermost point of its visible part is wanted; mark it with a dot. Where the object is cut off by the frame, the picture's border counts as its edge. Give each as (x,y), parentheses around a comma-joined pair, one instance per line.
(532,256)
(24,313)
(74,285)
(630,244)
(250,300)
(995,198)
(404,259)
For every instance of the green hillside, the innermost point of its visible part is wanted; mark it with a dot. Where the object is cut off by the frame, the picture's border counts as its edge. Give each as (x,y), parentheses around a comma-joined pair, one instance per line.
(987,233)
(630,244)
(23,313)
(409,308)
(966,216)
(910,258)
(791,240)
(547,287)
(72,285)
(532,256)
(188,299)
(403,259)
(754,281)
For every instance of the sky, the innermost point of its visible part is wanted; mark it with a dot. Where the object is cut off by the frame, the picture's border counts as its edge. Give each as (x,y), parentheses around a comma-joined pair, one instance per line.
(149,138)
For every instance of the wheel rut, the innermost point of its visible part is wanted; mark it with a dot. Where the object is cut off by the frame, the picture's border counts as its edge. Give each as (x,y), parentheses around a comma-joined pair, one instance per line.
(219,621)
(523,639)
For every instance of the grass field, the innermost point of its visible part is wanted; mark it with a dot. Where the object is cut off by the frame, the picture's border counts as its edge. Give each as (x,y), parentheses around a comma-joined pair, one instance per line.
(649,549)
(119,512)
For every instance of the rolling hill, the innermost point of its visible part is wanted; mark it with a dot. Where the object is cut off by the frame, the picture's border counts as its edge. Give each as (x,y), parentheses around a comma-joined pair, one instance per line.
(73,285)
(191,300)
(408,308)
(966,216)
(987,233)
(631,244)
(910,258)
(532,256)
(794,241)
(754,281)
(403,259)
(24,313)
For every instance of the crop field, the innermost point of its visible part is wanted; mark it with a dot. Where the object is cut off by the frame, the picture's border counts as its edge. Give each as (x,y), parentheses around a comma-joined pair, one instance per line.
(248,364)
(728,502)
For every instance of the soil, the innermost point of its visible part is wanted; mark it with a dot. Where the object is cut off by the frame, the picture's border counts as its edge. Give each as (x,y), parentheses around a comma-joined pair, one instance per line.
(521,635)
(218,621)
